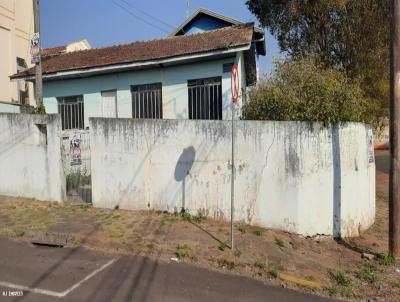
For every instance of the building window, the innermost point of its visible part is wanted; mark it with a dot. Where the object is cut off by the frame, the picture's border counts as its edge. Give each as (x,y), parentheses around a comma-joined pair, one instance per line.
(72,112)
(205,99)
(22,86)
(109,103)
(147,101)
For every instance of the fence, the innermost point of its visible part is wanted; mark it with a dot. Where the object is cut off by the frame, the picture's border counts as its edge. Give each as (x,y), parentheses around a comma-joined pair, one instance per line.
(298,177)
(30,158)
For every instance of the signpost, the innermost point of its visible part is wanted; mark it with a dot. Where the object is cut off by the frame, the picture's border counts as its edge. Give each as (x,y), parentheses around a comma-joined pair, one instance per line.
(235,96)
(35,48)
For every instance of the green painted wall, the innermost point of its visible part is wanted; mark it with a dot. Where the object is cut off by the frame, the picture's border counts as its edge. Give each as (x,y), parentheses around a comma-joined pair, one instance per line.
(174,88)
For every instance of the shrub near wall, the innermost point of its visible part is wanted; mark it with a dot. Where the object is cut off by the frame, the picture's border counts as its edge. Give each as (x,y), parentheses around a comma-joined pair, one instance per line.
(301,91)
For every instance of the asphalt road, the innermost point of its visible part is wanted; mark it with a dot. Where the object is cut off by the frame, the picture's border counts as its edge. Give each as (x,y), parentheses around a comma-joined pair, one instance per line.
(64,274)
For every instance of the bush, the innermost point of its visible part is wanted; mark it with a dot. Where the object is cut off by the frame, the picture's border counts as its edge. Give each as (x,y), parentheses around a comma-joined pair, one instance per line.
(38,110)
(301,91)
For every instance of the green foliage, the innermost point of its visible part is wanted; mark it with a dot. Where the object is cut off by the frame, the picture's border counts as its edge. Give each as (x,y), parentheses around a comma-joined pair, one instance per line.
(222,246)
(367,272)
(386,259)
(352,36)
(182,251)
(77,179)
(260,264)
(230,265)
(237,253)
(199,218)
(339,278)
(185,215)
(309,278)
(257,232)
(302,91)
(273,273)
(341,284)
(38,110)
(242,229)
(279,242)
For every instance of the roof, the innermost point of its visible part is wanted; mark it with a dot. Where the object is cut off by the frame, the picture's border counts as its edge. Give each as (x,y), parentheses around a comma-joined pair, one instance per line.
(200,11)
(146,51)
(259,32)
(51,51)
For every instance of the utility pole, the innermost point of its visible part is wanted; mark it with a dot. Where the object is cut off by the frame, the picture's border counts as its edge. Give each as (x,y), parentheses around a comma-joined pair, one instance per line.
(37,59)
(394,179)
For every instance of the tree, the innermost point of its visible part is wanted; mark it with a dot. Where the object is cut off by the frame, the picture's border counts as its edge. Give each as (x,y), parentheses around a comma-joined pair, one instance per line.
(349,35)
(300,90)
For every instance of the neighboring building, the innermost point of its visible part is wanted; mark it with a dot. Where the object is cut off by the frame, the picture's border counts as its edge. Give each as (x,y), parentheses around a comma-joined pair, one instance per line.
(16,28)
(183,76)
(71,47)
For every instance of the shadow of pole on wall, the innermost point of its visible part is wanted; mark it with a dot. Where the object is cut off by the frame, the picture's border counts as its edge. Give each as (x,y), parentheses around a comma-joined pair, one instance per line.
(182,169)
(337,181)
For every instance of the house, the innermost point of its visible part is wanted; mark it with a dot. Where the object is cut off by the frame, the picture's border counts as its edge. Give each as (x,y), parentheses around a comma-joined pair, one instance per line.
(16,28)
(183,76)
(73,46)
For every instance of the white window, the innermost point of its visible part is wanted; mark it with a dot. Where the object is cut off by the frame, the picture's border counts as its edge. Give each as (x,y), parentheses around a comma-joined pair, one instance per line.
(109,103)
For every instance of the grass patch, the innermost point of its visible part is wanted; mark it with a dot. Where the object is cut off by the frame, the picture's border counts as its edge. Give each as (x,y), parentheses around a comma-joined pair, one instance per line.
(273,273)
(242,229)
(260,264)
(309,278)
(230,265)
(222,246)
(185,216)
(199,218)
(279,242)
(257,232)
(386,259)
(340,284)
(182,251)
(367,272)
(237,253)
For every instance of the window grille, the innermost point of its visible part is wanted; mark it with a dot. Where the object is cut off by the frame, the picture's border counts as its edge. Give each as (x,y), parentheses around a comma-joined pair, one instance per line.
(205,99)
(71,110)
(147,101)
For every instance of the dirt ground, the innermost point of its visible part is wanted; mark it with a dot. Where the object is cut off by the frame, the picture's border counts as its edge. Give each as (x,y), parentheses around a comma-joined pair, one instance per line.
(319,265)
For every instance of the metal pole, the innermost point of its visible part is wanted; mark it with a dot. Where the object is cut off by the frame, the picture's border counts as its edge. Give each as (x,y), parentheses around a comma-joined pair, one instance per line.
(233,174)
(38,65)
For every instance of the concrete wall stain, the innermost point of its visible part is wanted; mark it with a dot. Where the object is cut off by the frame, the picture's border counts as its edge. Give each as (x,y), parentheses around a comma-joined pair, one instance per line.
(284,171)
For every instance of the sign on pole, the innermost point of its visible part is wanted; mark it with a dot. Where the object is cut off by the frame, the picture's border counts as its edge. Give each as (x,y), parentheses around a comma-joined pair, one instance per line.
(235,83)
(235,96)
(35,48)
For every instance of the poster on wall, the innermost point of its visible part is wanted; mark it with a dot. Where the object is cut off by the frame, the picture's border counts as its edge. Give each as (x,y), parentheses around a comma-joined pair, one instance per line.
(370,142)
(75,151)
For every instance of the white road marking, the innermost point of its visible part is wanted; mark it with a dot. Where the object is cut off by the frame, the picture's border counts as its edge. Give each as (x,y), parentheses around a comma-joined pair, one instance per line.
(33,290)
(54,293)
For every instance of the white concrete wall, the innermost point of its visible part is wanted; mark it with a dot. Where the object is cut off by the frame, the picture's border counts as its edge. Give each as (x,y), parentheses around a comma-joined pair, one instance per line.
(30,163)
(298,177)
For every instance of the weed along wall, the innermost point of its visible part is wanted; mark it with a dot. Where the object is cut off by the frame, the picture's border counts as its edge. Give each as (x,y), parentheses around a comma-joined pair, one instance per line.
(298,177)
(30,157)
